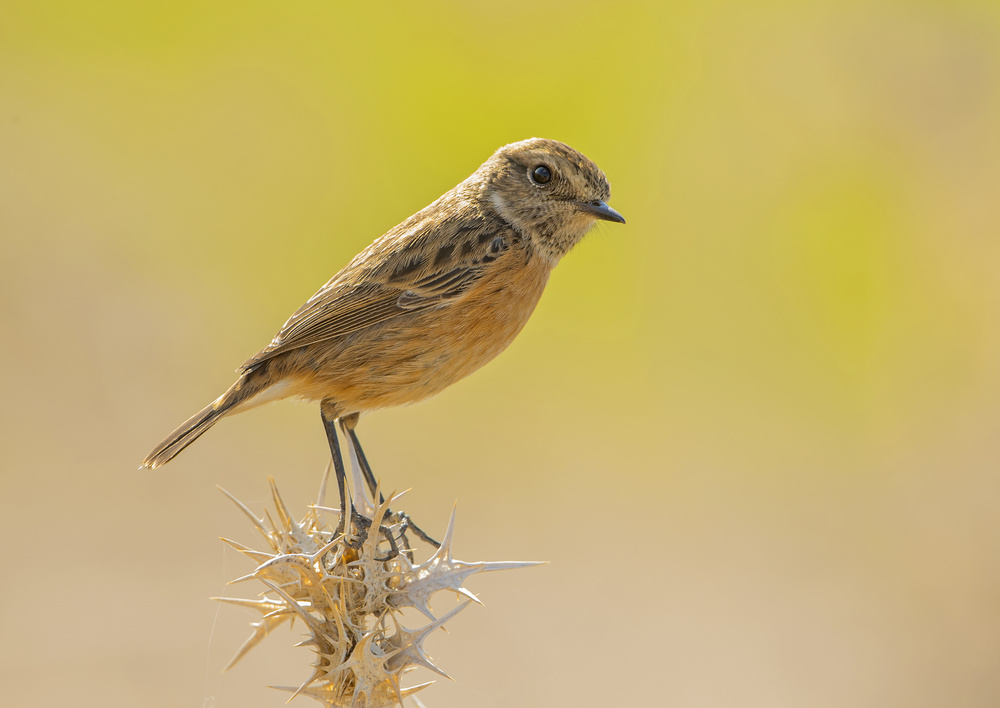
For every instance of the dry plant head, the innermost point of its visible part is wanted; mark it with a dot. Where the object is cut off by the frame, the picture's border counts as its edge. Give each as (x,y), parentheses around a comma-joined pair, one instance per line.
(350,600)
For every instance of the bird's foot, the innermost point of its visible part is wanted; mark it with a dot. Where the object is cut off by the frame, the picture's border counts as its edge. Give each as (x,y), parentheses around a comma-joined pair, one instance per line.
(361,528)
(406,524)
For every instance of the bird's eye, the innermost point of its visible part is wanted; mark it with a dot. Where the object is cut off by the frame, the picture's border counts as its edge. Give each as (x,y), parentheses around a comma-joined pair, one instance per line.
(541,175)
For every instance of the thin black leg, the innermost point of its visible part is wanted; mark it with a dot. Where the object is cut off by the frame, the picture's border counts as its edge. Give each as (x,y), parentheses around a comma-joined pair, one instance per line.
(338,465)
(358,522)
(366,469)
(348,423)
(372,485)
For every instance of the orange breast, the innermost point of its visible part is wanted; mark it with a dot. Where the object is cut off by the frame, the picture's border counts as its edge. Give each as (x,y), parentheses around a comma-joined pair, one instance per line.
(418,354)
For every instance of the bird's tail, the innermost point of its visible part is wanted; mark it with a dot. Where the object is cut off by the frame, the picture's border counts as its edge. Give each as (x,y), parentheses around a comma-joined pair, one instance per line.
(191,429)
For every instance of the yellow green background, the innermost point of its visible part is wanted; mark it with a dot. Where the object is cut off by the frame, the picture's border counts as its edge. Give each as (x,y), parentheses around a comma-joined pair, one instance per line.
(756,430)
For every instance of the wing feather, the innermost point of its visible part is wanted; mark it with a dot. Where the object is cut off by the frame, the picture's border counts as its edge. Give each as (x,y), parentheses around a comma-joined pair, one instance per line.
(427,265)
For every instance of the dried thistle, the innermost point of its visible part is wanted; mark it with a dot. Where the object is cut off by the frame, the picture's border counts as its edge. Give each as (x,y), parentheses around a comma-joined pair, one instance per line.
(349,596)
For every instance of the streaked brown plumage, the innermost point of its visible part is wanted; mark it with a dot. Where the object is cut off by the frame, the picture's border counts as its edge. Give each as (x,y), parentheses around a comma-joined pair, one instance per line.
(429,302)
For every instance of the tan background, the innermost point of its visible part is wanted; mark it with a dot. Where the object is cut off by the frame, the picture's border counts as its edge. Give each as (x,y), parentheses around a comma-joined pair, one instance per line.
(756,431)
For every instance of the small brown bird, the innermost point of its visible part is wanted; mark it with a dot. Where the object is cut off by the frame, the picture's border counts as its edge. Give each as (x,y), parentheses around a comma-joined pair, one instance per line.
(429,302)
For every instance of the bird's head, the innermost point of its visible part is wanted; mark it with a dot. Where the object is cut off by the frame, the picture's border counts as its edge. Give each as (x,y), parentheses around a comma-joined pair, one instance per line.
(548,191)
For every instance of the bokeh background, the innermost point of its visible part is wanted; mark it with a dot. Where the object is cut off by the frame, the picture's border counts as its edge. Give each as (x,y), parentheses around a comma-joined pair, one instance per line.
(756,431)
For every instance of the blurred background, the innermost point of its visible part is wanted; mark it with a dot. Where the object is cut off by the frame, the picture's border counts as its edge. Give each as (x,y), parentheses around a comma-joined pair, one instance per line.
(756,431)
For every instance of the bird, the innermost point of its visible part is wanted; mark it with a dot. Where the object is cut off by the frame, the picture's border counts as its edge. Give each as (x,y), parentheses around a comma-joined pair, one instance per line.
(426,304)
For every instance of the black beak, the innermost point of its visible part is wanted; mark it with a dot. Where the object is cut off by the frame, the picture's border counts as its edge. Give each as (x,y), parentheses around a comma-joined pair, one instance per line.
(601,211)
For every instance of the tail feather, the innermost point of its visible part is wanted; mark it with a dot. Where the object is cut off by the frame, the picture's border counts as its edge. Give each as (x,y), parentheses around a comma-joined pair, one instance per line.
(191,429)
